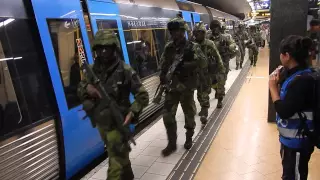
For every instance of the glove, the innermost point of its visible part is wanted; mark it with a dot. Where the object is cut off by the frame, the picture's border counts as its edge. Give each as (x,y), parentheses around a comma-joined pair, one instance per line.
(93,92)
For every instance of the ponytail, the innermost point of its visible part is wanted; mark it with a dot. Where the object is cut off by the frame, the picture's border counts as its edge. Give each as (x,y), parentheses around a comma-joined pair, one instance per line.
(298,48)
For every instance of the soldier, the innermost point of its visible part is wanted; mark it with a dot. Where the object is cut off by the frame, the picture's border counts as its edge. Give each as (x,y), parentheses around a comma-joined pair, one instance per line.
(252,45)
(184,62)
(243,36)
(119,80)
(227,50)
(215,68)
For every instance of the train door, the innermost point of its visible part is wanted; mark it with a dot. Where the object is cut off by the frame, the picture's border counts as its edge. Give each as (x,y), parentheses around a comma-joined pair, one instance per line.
(105,15)
(196,17)
(60,23)
(187,17)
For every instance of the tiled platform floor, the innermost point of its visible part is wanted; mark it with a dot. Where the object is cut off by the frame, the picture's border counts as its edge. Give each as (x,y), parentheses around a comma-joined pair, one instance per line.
(146,159)
(247,147)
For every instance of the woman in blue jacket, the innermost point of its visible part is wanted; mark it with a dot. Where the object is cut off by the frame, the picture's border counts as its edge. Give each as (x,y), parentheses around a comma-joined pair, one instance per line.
(292,97)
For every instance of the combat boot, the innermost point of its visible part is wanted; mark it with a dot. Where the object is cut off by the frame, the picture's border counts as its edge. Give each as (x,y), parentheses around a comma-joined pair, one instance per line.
(203,115)
(188,143)
(219,106)
(172,144)
(241,66)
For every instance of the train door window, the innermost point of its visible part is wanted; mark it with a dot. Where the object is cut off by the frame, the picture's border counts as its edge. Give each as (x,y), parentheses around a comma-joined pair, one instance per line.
(142,51)
(64,33)
(26,94)
(109,25)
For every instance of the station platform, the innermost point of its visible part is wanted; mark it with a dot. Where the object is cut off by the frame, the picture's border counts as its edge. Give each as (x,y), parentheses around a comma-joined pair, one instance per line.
(236,144)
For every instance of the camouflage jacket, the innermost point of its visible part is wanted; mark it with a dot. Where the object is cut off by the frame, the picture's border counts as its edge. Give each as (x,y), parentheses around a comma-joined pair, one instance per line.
(257,38)
(225,44)
(215,63)
(252,43)
(119,81)
(194,65)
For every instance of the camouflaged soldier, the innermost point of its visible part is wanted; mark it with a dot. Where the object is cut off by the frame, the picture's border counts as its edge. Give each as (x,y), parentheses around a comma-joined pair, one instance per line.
(216,68)
(252,45)
(227,50)
(240,36)
(119,80)
(184,62)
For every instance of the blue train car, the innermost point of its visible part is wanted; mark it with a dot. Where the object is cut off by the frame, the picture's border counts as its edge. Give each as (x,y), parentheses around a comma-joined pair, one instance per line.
(42,131)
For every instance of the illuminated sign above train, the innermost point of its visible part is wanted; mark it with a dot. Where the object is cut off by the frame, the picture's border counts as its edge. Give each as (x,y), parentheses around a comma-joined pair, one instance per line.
(144,24)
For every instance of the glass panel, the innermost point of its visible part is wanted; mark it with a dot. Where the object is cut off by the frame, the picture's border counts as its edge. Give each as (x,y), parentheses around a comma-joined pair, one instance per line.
(111,25)
(143,51)
(64,33)
(26,94)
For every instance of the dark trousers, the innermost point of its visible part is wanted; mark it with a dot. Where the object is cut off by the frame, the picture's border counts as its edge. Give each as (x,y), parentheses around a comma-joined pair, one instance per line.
(295,162)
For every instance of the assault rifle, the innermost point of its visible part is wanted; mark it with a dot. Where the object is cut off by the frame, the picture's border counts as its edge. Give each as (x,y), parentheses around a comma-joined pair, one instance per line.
(118,119)
(164,86)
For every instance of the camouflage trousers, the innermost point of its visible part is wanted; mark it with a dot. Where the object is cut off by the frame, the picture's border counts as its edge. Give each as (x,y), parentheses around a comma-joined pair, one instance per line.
(240,56)
(222,79)
(203,96)
(118,152)
(253,56)
(172,100)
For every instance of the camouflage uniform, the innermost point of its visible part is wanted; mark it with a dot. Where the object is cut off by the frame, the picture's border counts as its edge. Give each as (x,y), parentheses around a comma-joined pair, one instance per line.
(216,70)
(240,37)
(182,85)
(119,80)
(227,49)
(252,45)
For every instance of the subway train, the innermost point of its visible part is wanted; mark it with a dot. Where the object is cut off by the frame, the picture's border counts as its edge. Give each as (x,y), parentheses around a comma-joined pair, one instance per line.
(43,132)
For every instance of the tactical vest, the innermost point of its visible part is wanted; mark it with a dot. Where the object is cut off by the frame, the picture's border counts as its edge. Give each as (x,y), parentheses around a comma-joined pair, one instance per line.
(117,85)
(185,75)
(212,61)
(290,129)
(222,45)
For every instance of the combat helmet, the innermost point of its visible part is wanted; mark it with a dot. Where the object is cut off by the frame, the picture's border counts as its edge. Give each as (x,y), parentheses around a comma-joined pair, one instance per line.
(177,23)
(105,38)
(200,27)
(214,24)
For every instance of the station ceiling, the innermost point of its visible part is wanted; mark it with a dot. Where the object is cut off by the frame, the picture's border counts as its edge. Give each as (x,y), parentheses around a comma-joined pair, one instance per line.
(235,7)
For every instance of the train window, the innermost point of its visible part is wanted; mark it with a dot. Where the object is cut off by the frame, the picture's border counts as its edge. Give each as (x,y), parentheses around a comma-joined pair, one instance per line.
(143,51)
(109,25)
(26,94)
(64,33)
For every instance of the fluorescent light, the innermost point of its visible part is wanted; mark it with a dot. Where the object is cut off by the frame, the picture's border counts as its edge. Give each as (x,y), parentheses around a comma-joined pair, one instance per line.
(6,22)
(102,14)
(5,59)
(11,58)
(133,42)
